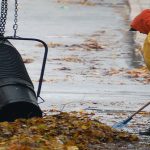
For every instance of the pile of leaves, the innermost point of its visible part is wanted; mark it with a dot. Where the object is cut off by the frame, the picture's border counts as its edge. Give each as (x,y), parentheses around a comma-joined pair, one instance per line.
(89,45)
(50,45)
(114,71)
(71,58)
(141,74)
(63,131)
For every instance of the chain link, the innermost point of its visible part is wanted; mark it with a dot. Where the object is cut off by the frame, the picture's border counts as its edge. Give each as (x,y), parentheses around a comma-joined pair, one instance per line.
(15,26)
(3,16)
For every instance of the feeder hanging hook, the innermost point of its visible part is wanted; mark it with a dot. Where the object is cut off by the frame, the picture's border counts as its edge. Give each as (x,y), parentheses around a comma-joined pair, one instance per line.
(15,26)
(3,17)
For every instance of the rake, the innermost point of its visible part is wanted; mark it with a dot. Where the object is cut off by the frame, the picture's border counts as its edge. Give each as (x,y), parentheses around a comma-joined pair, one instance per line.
(123,123)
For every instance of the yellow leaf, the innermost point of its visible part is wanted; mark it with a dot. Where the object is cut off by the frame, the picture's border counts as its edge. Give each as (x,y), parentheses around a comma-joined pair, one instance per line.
(84,127)
(72,148)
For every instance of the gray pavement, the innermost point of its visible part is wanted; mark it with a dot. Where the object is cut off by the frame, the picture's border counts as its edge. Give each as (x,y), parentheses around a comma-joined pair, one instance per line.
(137,6)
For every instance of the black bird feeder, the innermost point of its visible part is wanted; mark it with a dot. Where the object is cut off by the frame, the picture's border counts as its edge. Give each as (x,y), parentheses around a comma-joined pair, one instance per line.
(17,96)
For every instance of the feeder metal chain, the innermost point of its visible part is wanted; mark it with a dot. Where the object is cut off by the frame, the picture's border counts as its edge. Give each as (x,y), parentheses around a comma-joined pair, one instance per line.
(3,17)
(15,26)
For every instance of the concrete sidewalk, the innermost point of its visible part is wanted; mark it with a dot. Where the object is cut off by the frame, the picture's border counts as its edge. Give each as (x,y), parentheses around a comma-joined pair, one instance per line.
(136,6)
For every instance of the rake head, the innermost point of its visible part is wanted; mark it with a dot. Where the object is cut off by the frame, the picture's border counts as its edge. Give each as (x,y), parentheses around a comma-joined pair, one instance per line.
(121,124)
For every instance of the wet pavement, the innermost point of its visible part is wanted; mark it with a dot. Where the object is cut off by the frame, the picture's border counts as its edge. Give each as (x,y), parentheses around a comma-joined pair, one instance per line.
(86,42)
